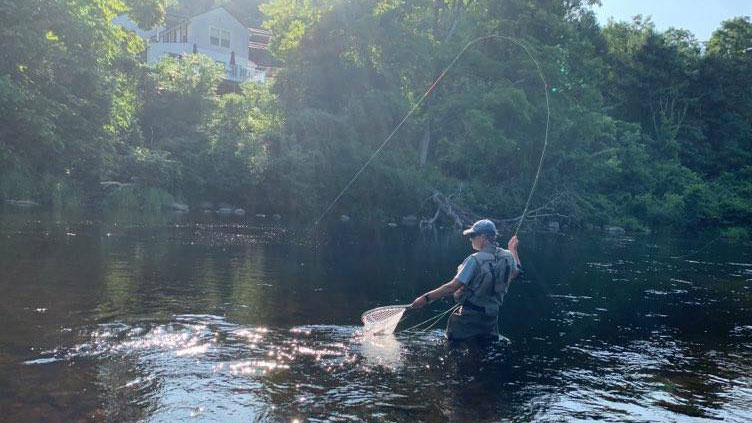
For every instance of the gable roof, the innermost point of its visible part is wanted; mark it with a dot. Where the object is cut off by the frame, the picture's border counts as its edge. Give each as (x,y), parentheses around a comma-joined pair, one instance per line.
(180,19)
(218,8)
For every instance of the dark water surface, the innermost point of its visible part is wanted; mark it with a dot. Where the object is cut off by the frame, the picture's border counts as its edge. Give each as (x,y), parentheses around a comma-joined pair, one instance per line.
(169,320)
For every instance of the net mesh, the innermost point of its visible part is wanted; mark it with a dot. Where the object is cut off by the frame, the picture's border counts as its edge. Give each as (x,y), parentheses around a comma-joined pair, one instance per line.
(383,320)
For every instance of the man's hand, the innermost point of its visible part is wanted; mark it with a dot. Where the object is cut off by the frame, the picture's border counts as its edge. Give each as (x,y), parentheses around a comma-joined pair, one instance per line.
(513,242)
(419,302)
(458,294)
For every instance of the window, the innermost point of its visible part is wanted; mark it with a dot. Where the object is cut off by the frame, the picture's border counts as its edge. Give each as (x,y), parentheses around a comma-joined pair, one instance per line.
(225,39)
(219,37)
(173,36)
(184,34)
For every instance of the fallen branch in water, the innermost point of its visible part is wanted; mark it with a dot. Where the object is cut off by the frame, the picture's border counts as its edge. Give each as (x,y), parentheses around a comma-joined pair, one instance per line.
(535,213)
(462,217)
(457,214)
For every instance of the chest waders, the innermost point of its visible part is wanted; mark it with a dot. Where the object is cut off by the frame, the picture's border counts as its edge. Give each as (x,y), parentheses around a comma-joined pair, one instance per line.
(478,317)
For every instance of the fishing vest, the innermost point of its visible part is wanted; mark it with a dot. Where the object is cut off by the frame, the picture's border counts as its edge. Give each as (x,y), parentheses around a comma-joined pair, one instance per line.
(483,295)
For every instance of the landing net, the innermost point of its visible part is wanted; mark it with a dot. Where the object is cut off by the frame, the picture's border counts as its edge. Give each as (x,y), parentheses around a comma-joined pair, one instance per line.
(383,320)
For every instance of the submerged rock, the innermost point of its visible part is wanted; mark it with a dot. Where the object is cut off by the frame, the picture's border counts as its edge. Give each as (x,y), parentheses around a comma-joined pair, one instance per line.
(22,203)
(260,215)
(225,210)
(276,216)
(614,230)
(344,218)
(114,184)
(392,225)
(410,220)
(206,205)
(179,207)
(239,212)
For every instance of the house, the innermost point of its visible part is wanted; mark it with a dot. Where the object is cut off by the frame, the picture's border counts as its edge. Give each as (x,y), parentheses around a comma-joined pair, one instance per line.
(259,54)
(129,25)
(215,33)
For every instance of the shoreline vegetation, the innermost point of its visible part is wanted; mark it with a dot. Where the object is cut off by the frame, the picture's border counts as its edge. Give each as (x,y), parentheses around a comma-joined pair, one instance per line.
(650,130)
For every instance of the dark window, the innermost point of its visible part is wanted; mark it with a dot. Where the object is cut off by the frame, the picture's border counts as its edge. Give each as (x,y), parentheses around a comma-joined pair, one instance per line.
(214,37)
(226,39)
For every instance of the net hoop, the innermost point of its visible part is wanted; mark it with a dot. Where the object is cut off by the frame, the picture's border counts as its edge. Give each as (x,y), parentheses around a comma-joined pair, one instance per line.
(383,320)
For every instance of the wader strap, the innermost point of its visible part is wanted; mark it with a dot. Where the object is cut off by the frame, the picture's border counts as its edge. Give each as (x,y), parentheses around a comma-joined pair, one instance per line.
(470,306)
(492,288)
(469,292)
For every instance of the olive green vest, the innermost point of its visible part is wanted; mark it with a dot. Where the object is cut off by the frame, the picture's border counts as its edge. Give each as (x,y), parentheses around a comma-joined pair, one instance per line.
(483,296)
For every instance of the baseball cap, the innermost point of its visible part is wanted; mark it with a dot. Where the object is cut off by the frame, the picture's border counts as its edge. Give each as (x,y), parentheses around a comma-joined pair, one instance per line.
(483,226)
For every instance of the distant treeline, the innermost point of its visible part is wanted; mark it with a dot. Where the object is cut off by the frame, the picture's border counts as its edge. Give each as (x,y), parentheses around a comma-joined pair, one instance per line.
(649,129)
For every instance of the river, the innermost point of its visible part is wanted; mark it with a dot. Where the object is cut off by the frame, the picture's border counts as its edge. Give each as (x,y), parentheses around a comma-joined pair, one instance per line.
(198,318)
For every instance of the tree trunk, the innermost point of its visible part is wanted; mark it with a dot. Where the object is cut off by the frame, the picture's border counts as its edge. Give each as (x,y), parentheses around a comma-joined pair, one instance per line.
(425,143)
(456,13)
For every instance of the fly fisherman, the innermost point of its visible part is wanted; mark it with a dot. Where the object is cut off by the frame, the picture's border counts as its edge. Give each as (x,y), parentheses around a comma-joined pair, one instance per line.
(479,286)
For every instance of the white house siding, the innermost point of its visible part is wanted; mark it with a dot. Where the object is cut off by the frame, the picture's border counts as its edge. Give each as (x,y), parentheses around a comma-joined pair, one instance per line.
(199,33)
(128,24)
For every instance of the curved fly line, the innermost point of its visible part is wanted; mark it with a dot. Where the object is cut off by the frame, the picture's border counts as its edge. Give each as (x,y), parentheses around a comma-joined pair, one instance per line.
(427,93)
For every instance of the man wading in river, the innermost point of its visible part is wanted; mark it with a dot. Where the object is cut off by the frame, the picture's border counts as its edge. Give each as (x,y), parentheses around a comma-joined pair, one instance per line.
(479,286)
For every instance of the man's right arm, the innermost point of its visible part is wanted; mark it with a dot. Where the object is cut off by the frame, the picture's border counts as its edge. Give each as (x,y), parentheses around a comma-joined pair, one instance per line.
(512,245)
(440,292)
(465,272)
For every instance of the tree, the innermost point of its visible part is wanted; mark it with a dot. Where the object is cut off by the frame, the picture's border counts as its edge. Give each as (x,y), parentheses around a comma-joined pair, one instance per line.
(60,79)
(726,109)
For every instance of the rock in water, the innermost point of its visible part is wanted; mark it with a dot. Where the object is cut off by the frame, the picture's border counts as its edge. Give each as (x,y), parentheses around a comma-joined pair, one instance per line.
(22,203)
(179,207)
(410,220)
(614,230)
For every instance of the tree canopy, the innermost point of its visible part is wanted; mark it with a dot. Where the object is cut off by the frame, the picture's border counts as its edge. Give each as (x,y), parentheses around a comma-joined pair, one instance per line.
(649,129)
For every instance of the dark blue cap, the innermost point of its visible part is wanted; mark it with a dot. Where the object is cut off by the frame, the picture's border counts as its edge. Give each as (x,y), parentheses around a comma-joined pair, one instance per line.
(483,226)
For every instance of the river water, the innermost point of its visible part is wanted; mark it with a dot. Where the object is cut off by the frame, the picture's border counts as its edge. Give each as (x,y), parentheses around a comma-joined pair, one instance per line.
(182,318)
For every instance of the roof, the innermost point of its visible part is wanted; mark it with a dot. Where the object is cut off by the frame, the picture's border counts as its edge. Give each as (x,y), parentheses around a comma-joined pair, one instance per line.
(182,19)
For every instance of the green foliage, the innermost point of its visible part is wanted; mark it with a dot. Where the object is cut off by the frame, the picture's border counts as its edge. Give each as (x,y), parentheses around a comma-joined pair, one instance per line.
(136,197)
(17,184)
(66,194)
(648,130)
(736,233)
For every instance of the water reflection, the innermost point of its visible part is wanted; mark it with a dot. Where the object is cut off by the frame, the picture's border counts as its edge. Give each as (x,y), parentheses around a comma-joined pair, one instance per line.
(178,320)
(381,350)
